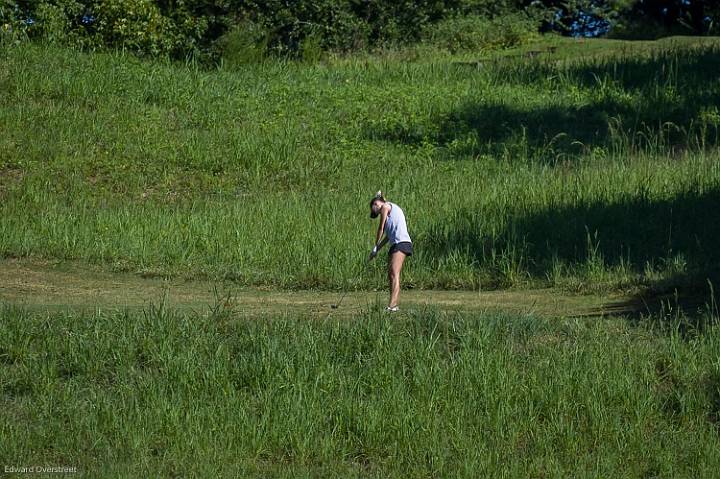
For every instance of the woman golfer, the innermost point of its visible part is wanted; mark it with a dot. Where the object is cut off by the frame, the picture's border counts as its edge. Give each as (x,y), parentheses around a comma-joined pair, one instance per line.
(393,226)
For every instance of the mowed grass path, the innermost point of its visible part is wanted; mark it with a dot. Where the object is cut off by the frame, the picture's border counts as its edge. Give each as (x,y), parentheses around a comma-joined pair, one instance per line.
(72,286)
(557,170)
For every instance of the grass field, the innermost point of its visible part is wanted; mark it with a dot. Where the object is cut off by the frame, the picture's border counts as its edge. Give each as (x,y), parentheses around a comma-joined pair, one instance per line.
(166,394)
(591,166)
(171,240)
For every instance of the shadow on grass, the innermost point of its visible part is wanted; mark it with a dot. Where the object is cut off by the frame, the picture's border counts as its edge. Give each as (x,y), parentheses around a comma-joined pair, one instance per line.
(667,100)
(684,302)
(679,66)
(677,235)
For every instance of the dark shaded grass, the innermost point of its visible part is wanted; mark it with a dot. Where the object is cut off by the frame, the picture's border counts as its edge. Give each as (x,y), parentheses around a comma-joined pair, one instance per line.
(638,230)
(660,101)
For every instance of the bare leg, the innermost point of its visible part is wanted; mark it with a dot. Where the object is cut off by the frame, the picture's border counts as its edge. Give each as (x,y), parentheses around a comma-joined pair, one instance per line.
(395,265)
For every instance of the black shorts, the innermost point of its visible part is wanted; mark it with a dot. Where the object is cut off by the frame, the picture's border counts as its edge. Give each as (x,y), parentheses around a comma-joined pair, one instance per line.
(403,247)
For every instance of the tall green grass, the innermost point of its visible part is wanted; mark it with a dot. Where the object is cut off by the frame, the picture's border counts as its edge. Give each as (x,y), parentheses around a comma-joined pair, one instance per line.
(579,173)
(166,394)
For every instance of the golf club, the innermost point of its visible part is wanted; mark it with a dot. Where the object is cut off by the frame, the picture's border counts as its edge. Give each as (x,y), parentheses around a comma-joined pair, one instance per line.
(366,263)
(337,305)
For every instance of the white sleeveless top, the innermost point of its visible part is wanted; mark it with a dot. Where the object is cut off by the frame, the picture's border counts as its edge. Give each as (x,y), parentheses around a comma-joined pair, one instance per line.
(395,226)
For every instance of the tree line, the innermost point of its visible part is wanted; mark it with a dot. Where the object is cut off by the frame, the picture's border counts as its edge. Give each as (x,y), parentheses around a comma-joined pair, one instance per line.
(253,28)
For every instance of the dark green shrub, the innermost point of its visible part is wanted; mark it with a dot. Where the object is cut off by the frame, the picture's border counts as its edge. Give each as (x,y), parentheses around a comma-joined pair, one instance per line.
(244,43)
(231,30)
(12,27)
(53,20)
(136,25)
(311,49)
(478,33)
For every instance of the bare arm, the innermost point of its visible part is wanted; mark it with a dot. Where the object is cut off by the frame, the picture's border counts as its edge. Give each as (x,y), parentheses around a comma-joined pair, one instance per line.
(379,240)
(384,211)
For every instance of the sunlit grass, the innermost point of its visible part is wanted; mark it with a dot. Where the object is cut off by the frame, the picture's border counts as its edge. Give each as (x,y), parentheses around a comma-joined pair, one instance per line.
(582,174)
(163,393)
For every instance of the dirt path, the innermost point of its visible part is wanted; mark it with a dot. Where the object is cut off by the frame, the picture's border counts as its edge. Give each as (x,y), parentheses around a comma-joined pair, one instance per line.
(48,285)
